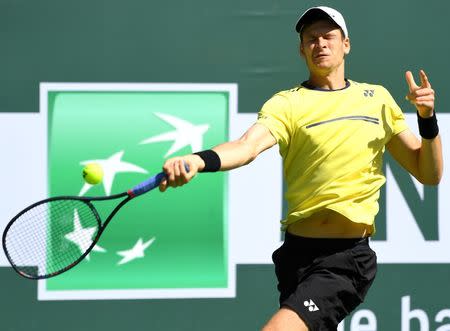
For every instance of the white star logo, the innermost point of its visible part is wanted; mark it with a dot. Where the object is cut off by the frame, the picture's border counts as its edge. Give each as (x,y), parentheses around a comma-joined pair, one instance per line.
(136,252)
(185,134)
(111,166)
(82,237)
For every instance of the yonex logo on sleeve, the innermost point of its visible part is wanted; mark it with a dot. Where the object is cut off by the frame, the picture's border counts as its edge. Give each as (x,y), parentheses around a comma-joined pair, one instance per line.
(262,116)
(311,305)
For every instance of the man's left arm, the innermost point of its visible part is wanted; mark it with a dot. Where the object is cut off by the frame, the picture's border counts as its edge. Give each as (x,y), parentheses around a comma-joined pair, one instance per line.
(422,158)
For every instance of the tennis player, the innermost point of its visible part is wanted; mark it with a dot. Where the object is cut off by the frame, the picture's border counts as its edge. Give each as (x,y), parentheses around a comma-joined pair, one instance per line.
(331,133)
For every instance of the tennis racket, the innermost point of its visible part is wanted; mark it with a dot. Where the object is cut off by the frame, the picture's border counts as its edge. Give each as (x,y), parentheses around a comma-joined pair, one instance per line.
(41,242)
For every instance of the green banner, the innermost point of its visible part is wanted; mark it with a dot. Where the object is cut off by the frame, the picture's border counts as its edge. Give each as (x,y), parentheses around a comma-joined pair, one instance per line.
(171,241)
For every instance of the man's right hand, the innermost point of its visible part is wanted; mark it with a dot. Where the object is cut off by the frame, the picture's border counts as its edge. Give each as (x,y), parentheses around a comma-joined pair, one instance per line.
(180,170)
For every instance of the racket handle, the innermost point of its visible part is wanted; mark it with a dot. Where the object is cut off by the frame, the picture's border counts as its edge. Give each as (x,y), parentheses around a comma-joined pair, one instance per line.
(149,184)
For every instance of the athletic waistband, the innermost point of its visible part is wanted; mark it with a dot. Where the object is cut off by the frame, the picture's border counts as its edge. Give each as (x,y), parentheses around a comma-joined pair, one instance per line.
(322,243)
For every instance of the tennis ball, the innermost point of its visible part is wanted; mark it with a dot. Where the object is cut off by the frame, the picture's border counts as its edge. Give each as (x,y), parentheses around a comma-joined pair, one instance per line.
(93,173)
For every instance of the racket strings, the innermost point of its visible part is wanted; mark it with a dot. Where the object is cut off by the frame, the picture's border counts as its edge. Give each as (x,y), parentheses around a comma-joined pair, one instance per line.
(51,236)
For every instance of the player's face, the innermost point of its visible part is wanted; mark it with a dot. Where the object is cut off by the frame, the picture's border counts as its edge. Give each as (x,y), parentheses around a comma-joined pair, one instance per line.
(323,46)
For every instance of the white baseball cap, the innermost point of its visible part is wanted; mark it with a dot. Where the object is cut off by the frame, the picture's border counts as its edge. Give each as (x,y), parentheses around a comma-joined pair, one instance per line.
(322,12)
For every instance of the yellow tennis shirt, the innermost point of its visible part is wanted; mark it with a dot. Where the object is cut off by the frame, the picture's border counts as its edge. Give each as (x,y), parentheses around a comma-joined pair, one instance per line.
(332,145)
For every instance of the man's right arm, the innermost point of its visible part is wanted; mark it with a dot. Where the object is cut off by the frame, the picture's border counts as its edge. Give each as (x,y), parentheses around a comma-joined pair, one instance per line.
(233,154)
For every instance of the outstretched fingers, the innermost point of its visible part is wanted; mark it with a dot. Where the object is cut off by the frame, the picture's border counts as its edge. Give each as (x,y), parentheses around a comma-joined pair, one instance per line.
(410,81)
(422,97)
(424,79)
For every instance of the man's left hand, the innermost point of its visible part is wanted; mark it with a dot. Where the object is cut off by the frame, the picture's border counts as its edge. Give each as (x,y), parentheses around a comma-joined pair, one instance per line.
(421,96)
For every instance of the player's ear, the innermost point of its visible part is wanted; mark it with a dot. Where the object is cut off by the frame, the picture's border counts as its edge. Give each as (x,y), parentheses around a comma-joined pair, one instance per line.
(347,46)
(301,49)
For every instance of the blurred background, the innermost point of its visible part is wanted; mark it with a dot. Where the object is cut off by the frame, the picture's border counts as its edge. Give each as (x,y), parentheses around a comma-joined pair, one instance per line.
(252,44)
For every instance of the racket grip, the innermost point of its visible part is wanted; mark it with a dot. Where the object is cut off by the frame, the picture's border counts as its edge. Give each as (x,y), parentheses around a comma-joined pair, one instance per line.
(149,184)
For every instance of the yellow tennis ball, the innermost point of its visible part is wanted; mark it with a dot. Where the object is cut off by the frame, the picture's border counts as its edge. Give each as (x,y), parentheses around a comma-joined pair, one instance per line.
(93,173)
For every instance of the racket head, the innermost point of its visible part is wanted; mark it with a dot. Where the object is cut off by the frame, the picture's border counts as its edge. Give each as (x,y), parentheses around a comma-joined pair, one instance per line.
(51,236)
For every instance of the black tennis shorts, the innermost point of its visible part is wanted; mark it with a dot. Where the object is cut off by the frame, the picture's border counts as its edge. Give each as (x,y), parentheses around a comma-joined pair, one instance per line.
(323,280)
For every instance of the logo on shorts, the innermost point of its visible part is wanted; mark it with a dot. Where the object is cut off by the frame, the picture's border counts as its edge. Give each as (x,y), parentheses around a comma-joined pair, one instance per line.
(311,305)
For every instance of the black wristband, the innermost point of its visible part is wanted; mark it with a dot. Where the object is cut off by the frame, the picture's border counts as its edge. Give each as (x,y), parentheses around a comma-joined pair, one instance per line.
(428,127)
(211,159)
